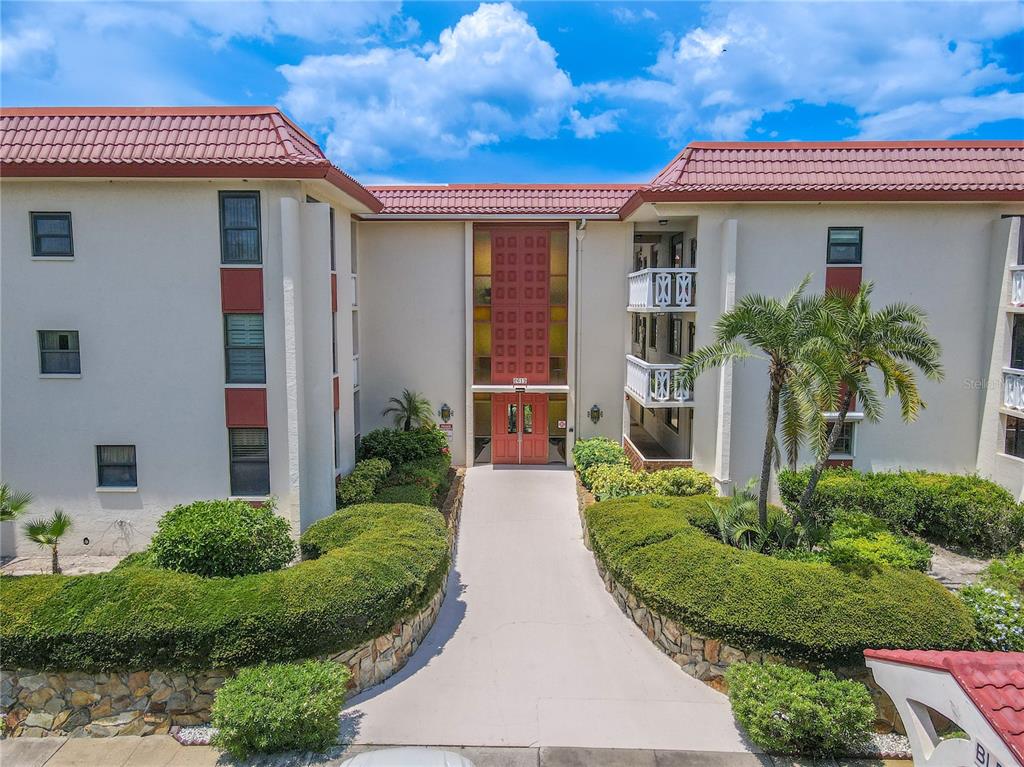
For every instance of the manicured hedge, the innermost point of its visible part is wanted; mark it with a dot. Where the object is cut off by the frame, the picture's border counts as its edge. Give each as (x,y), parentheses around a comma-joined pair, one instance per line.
(612,481)
(795,609)
(361,485)
(598,451)
(377,564)
(400,447)
(417,494)
(963,510)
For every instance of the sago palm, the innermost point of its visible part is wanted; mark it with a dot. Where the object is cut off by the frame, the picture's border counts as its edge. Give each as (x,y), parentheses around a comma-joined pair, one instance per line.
(12,503)
(47,533)
(788,334)
(409,410)
(893,341)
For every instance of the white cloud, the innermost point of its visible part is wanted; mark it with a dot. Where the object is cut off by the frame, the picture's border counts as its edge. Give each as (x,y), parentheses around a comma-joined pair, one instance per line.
(625,15)
(28,51)
(488,78)
(943,118)
(748,60)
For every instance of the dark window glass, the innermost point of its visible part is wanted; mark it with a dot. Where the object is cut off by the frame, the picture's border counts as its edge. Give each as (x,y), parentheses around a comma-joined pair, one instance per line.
(1014,436)
(334,259)
(58,352)
(115,466)
(240,228)
(654,332)
(250,461)
(334,343)
(675,337)
(672,419)
(844,446)
(243,348)
(844,244)
(691,333)
(51,235)
(1017,343)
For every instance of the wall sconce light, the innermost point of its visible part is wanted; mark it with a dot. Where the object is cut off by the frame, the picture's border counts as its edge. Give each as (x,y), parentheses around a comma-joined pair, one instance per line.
(445,412)
(662,222)
(596,413)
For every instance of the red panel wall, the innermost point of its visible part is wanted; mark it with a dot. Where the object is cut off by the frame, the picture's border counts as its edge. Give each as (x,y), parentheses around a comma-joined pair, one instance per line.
(245,407)
(842,279)
(337,393)
(334,293)
(241,290)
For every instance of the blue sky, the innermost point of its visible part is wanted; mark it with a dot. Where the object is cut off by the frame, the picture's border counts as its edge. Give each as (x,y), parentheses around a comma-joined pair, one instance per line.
(543,91)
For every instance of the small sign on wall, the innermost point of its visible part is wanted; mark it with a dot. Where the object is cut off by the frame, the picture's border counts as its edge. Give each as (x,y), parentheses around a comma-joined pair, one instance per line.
(519,381)
(562,424)
(449,431)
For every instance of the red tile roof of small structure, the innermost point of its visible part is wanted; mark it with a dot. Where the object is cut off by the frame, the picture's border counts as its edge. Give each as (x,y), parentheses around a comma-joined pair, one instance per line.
(165,142)
(505,199)
(994,681)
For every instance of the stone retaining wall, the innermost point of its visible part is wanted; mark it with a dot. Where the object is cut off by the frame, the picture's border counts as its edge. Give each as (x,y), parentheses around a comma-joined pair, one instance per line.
(706,658)
(149,702)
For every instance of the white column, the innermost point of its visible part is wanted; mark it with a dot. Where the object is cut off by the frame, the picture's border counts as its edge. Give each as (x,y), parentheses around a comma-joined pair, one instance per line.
(575,247)
(291,259)
(723,441)
(468,404)
(343,226)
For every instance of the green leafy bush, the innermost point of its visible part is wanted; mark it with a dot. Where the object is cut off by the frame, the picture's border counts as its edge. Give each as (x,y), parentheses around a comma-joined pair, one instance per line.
(376,564)
(222,539)
(361,485)
(1006,574)
(998,617)
(795,609)
(280,707)
(430,473)
(867,540)
(963,510)
(417,494)
(615,481)
(792,711)
(400,447)
(598,451)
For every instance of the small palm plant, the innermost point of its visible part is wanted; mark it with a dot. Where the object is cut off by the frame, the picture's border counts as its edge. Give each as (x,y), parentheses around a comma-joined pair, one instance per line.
(48,532)
(409,410)
(12,503)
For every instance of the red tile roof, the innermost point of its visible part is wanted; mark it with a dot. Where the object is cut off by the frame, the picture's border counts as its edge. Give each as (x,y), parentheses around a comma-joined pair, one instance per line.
(994,681)
(166,142)
(505,199)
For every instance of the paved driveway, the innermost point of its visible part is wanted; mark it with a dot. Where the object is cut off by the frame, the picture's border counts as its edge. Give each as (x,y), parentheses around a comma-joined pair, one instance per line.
(529,649)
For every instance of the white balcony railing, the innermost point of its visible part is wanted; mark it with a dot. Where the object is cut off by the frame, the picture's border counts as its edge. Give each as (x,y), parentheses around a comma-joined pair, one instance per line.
(1013,388)
(1017,285)
(655,385)
(662,290)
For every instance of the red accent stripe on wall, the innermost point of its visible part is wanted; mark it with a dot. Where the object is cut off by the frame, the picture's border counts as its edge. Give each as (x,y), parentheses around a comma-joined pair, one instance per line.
(337,393)
(843,279)
(245,407)
(241,290)
(334,293)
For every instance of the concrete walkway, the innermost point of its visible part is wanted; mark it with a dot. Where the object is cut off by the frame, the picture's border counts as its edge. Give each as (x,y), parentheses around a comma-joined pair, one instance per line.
(529,649)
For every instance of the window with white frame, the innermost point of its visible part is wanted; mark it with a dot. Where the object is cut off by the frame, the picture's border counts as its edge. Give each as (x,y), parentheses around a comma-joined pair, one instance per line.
(51,235)
(250,461)
(845,444)
(240,241)
(59,353)
(1014,438)
(243,349)
(116,466)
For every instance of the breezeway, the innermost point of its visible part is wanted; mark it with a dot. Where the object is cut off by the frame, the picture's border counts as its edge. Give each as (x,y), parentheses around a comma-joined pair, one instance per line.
(530,650)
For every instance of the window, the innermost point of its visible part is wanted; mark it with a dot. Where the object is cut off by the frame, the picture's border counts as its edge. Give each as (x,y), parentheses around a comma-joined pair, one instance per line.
(675,337)
(691,335)
(334,258)
(243,348)
(1014,437)
(250,461)
(844,446)
(654,332)
(1017,342)
(240,228)
(672,419)
(115,466)
(51,235)
(334,343)
(844,244)
(59,353)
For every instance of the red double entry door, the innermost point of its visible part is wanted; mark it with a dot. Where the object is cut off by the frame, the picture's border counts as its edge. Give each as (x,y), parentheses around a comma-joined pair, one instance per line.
(519,428)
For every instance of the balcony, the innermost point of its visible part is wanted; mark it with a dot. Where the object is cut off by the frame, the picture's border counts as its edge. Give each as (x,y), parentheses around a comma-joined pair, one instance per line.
(655,385)
(1016,285)
(662,290)
(1013,388)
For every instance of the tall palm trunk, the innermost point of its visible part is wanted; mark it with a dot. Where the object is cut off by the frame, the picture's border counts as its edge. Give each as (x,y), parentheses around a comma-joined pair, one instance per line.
(54,562)
(774,393)
(830,445)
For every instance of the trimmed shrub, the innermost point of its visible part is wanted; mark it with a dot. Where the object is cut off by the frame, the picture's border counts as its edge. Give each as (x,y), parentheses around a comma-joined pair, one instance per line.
(378,564)
(963,510)
(868,541)
(222,539)
(615,481)
(280,707)
(430,473)
(398,447)
(417,494)
(795,609)
(598,451)
(792,711)
(361,485)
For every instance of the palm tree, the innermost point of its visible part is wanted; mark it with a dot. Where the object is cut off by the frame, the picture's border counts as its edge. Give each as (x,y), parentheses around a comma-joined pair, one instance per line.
(48,532)
(893,341)
(411,409)
(789,334)
(12,503)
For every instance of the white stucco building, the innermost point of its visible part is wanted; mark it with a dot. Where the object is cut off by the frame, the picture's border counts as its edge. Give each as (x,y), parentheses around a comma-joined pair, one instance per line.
(195,303)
